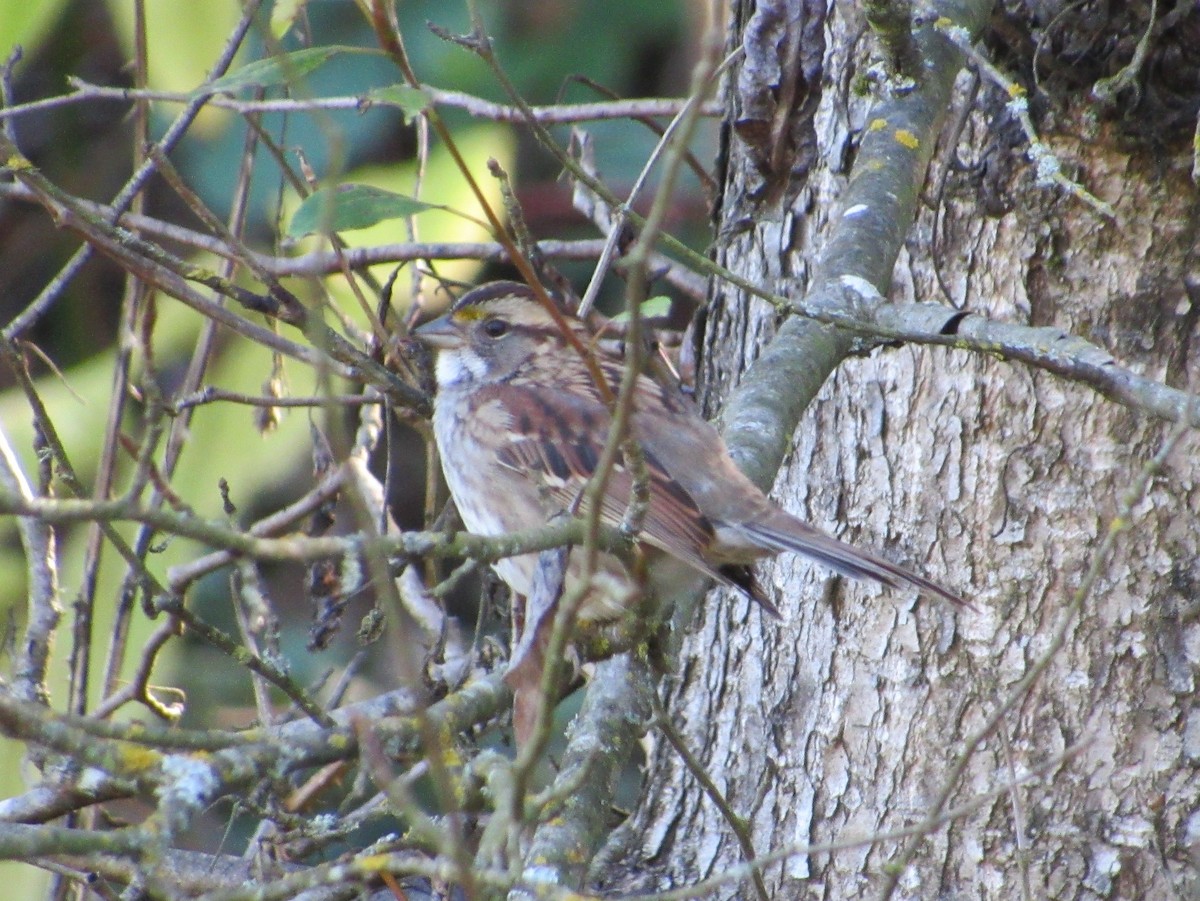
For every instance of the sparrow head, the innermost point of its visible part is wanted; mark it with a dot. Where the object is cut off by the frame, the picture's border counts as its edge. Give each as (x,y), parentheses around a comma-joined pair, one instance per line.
(489,335)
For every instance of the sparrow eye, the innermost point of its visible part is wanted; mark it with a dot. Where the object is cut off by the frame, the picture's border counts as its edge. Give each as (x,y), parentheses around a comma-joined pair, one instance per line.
(495,328)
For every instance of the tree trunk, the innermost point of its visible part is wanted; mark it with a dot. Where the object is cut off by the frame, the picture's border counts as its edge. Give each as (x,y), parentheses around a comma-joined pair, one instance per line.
(850,717)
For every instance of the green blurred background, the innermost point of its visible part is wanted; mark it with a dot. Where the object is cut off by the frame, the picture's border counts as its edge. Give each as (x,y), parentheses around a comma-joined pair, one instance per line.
(630,47)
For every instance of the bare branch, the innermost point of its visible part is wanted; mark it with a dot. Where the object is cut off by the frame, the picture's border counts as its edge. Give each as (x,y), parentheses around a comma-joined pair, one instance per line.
(556,114)
(137,182)
(41,562)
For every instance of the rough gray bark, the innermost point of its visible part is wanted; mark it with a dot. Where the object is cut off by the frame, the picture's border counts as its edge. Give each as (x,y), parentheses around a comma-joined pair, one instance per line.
(846,719)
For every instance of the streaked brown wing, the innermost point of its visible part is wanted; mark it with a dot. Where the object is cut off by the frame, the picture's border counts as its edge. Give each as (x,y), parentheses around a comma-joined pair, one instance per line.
(562,460)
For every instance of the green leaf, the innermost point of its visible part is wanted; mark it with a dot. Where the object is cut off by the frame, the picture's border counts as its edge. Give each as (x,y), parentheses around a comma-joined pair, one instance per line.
(651,308)
(410,101)
(280,69)
(283,16)
(348,207)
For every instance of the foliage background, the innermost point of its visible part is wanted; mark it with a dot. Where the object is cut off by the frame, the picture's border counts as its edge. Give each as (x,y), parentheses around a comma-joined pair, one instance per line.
(632,48)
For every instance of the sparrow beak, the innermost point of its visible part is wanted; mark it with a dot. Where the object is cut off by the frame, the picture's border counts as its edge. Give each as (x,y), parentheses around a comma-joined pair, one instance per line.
(440,333)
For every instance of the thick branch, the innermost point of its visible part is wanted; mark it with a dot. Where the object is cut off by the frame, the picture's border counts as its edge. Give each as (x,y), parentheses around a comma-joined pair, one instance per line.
(603,736)
(877,212)
(245,755)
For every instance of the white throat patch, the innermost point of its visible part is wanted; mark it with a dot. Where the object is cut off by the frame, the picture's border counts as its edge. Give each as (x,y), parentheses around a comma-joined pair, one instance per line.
(454,367)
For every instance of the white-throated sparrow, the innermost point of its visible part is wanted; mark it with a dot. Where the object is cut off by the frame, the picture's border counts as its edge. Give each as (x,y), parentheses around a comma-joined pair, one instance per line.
(520,425)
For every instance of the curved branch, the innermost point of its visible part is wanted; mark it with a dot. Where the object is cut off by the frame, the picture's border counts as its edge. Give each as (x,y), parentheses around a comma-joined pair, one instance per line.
(878,209)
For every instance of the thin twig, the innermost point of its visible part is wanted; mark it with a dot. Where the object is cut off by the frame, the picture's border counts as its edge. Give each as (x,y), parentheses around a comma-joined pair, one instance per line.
(174,134)
(43,610)
(554,114)
(737,824)
(1049,169)
(211,394)
(138,688)
(685,118)
(256,663)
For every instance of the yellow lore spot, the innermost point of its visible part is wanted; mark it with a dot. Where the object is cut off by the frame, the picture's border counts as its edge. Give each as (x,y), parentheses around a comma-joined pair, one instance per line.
(877,125)
(907,138)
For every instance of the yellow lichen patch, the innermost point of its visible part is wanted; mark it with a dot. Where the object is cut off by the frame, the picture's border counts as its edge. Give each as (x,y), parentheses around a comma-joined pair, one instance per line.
(907,139)
(576,855)
(877,124)
(374,863)
(133,758)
